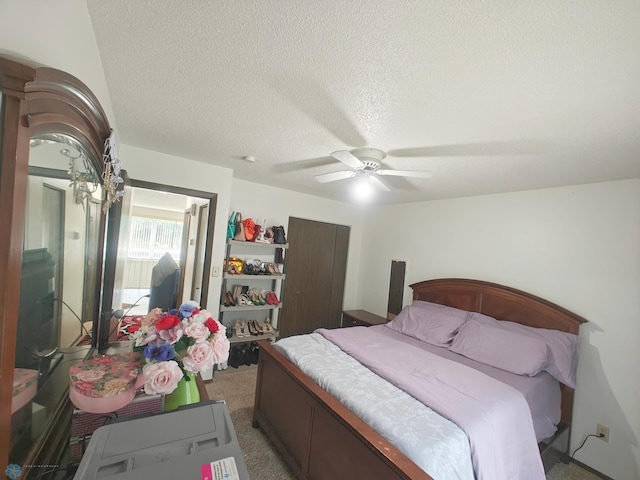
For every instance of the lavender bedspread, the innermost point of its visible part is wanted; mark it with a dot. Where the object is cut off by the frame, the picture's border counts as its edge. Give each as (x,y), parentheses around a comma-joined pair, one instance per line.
(495,417)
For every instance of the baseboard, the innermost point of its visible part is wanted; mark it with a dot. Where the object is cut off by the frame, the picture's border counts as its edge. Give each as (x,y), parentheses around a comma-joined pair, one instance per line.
(590,470)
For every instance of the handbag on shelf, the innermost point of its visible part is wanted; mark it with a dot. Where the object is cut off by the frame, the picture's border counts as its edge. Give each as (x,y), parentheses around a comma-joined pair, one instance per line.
(250,233)
(268,235)
(239,233)
(231,226)
(278,235)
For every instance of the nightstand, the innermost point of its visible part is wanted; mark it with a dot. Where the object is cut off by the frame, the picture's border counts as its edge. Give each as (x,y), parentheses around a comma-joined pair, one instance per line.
(361,318)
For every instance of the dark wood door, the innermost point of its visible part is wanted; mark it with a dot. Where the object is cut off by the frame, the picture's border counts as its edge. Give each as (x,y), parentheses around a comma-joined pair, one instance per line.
(316,264)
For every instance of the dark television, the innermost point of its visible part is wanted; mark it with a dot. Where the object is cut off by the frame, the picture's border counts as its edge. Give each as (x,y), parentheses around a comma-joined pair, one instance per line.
(36,314)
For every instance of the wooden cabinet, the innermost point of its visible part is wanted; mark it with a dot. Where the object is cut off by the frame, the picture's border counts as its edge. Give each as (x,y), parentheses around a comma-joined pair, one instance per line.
(316,269)
(231,314)
(361,318)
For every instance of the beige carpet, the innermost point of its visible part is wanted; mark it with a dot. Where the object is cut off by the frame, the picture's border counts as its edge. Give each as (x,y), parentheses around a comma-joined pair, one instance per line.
(237,389)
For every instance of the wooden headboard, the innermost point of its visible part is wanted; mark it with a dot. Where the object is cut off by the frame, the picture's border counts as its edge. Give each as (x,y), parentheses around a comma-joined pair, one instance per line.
(497,301)
(504,303)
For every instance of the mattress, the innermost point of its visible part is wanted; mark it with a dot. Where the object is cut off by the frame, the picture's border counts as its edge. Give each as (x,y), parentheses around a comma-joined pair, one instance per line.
(434,443)
(542,392)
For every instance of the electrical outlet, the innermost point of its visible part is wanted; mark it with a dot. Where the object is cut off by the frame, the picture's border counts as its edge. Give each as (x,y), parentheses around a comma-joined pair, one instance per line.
(602,432)
(215,272)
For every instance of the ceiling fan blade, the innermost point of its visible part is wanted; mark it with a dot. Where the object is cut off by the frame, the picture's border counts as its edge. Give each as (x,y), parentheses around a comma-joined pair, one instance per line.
(405,173)
(332,177)
(347,158)
(498,148)
(378,184)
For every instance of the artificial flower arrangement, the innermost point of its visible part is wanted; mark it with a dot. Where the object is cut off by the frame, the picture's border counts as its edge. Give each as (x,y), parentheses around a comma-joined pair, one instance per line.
(186,339)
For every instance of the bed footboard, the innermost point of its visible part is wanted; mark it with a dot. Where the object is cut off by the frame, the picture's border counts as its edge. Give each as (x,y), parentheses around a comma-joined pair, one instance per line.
(317,436)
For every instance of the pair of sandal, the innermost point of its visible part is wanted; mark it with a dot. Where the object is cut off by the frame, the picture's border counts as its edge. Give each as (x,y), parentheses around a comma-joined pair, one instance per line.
(240,296)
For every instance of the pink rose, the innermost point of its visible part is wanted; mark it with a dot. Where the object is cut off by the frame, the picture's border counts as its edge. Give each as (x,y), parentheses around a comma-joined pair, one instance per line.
(161,377)
(196,330)
(171,335)
(220,344)
(199,357)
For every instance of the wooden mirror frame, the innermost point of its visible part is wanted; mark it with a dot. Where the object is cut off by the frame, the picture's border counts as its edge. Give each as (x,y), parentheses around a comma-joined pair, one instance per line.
(36,100)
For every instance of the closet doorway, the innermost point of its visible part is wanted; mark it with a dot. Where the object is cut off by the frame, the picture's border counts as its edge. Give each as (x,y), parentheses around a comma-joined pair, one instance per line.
(316,265)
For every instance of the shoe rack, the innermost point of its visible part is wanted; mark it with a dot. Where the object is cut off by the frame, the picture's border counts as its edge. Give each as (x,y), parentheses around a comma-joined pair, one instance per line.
(268,282)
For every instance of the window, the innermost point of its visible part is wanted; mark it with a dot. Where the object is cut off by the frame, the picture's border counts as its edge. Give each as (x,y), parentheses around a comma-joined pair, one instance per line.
(152,238)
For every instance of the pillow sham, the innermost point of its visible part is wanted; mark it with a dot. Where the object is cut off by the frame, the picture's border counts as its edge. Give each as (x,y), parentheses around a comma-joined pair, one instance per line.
(429,322)
(563,346)
(503,349)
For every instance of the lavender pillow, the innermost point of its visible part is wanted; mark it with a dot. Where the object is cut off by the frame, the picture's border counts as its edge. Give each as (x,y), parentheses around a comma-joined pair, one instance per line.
(563,347)
(429,322)
(510,351)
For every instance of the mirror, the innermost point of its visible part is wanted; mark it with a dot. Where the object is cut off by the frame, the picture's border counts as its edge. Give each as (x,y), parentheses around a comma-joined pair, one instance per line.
(51,249)
(168,228)
(57,303)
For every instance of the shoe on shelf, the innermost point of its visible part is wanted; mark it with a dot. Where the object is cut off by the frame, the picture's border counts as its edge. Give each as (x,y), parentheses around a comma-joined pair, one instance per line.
(237,292)
(256,328)
(243,300)
(266,327)
(272,298)
(244,355)
(238,328)
(229,329)
(245,328)
(234,357)
(256,296)
(228,300)
(254,352)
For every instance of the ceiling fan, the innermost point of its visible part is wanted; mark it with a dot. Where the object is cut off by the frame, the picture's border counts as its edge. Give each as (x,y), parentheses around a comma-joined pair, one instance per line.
(366,163)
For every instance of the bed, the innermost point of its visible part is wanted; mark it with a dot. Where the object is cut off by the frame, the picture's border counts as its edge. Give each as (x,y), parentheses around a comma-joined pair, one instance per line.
(320,437)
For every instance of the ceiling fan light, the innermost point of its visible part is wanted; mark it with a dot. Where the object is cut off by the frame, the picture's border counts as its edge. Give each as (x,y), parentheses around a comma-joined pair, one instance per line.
(363,189)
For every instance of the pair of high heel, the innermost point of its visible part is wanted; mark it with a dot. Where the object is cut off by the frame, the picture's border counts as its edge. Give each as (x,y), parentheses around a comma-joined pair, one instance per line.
(242,328)
(267,328)
(246,328)
(273,269)
(256,297)
(228,299)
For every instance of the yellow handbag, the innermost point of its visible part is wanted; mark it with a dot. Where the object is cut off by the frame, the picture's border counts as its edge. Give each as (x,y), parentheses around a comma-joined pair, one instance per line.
(235,265)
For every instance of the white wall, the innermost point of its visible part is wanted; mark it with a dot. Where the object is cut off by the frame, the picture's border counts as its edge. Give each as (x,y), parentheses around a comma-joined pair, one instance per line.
(277,205)
(578,247)
(57,34)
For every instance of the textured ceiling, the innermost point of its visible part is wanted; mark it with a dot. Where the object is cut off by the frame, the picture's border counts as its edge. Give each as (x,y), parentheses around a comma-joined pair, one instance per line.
(489,97)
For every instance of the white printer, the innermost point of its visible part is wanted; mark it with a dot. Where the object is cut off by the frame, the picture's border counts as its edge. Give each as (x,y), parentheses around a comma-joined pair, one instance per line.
(195,442)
